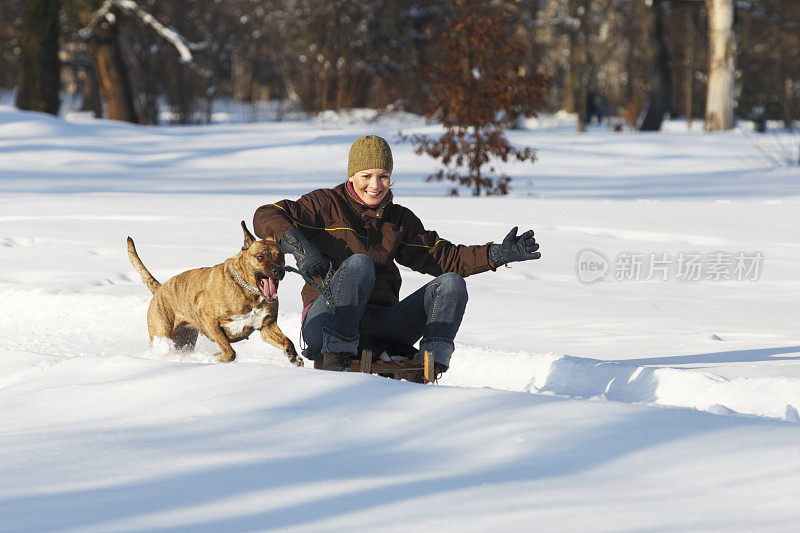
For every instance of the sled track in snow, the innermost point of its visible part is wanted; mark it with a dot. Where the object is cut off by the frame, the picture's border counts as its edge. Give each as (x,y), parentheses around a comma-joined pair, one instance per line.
(75,325)
(586,378)
(19,366)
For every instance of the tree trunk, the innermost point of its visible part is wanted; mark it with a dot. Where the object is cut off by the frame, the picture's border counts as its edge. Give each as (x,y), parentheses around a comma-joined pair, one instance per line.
(289,87)
(112,75)
(787,104)
(242,69)
(787,90)
(322,103)
(39,67)
(658,105)
(583,104)
(632,40)
(90,92)
(688,80)
(571,89)
(342,93)
(722,51)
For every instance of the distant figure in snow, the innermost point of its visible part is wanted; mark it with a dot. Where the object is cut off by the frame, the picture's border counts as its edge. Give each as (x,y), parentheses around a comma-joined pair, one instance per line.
(358,230)
(595,107)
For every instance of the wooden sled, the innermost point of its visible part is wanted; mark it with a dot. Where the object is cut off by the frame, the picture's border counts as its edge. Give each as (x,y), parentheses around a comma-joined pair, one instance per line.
(396,369)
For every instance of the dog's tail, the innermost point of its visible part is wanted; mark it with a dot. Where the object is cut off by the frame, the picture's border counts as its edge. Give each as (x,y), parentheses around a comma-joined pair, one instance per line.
(151,282)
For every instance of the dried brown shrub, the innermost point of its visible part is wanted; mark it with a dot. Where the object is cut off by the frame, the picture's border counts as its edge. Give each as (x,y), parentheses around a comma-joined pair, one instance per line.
(478,86)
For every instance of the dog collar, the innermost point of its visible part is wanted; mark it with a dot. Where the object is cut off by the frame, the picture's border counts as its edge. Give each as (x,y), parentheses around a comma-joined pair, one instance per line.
(244,284)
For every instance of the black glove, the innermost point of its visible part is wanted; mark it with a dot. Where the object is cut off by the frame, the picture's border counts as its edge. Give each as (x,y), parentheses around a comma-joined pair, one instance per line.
(309,260)
(514,248)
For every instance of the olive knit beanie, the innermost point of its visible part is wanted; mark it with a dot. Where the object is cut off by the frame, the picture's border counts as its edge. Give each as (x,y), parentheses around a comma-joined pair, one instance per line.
(369,151)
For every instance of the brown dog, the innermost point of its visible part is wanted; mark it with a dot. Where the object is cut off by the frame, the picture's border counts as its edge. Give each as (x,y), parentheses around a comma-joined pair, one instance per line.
(226,302)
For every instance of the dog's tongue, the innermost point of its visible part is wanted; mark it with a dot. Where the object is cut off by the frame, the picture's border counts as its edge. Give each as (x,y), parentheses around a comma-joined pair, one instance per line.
(269,288)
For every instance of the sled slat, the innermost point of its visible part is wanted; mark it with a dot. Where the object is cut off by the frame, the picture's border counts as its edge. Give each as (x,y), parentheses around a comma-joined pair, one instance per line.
(366,361)
(429,371)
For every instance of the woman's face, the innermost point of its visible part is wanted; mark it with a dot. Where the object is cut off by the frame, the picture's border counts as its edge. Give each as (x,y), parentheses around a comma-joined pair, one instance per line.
(371,185)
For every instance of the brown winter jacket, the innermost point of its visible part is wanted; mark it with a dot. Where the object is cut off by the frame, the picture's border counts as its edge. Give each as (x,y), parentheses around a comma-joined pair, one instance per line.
(340,225)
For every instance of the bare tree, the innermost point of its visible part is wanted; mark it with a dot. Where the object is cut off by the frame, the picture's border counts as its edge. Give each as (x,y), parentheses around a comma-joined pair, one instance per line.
(658,105)
(722,46)
(39,67)
(687,19)
(105,46)
(580,41)
(111,70)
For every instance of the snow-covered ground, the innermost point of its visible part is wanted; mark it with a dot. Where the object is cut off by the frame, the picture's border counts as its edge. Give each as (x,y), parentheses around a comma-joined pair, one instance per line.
(609,386)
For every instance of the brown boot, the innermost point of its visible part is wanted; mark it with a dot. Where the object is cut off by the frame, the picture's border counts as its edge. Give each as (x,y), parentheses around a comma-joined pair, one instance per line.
(336,361)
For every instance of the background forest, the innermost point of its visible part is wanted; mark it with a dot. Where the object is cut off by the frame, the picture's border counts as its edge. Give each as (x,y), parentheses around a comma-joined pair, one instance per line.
(133,60)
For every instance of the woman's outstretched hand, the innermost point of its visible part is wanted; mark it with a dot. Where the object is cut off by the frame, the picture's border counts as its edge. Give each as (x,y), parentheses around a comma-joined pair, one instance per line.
(514,248)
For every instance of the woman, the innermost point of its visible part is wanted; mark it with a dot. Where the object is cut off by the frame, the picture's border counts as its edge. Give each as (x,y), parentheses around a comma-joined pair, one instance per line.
(361,232)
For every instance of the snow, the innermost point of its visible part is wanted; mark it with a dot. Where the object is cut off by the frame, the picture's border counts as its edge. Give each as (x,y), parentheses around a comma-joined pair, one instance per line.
(607,406)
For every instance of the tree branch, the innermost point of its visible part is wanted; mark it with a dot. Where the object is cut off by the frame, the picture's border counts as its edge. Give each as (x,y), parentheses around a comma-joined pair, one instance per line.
(171,35)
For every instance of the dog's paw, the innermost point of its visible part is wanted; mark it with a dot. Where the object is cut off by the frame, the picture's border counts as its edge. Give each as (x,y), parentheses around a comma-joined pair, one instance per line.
(225,358)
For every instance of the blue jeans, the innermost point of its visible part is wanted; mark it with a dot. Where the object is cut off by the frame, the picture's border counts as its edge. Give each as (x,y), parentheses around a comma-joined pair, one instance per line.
(432,313)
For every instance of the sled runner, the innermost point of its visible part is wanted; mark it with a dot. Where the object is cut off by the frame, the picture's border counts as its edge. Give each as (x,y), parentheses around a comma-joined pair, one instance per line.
(392,366)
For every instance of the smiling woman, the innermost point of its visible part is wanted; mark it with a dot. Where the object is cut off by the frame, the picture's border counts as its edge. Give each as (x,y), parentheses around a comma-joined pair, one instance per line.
(358,229)
(369,169)
(371,185)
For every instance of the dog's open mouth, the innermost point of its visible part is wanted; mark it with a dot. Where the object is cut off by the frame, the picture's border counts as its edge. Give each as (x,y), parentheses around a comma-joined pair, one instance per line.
(268,288)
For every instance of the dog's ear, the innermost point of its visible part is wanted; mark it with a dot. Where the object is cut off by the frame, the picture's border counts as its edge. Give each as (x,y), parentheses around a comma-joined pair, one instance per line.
(248,237)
